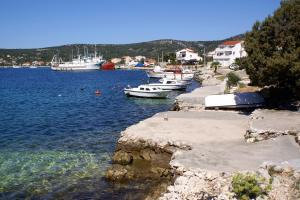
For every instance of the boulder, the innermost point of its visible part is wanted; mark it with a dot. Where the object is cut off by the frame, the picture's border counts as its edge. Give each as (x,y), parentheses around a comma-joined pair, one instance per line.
(122,158)
(116,173)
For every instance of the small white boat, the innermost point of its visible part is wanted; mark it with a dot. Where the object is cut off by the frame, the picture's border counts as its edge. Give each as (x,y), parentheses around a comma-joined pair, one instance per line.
(188,82)
(147,91)
(159,72)
(171,84)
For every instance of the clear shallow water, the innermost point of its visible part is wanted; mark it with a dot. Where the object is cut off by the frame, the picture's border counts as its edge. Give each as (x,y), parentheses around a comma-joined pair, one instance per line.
(57,136)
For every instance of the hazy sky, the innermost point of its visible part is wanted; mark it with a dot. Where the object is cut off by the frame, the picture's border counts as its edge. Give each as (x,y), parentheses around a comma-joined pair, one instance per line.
(42,23)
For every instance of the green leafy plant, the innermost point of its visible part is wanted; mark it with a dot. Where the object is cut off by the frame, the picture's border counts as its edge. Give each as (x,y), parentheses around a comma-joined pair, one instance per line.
(233,79)
(249,186)
(215,65)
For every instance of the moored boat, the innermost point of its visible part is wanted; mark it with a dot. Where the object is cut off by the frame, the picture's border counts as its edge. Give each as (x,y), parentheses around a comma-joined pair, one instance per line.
(177,73)
(108,66)
(171,84)
(147,91)
(80,63)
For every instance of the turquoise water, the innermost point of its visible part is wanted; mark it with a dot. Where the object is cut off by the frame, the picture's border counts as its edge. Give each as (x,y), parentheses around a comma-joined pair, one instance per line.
(57,136)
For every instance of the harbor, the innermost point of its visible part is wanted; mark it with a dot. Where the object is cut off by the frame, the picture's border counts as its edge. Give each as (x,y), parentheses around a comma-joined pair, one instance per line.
(133,100)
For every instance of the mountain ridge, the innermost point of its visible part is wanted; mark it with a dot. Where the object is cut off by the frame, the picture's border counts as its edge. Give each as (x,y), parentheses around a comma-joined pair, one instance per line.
(150,49)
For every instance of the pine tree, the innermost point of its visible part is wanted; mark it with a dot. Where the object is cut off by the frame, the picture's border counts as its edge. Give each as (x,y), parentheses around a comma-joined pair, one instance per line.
(273,48)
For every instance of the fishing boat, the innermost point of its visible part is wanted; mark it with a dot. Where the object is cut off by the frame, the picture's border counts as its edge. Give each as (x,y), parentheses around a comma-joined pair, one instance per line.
(171,84)
(108,66)
(147,91)
(86,62)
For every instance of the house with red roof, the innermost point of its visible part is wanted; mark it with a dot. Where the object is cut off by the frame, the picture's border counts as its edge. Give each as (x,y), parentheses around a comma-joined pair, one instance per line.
(228,51)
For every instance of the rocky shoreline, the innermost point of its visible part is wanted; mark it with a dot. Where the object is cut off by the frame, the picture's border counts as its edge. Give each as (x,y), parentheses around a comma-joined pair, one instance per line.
(199,154)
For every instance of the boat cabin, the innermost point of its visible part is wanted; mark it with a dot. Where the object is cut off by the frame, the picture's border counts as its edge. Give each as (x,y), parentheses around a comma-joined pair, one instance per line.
(147,88)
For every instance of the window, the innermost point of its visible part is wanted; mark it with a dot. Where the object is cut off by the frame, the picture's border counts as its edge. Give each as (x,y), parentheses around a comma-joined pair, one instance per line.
(154,88)
(147,89)
(228,53)
(220,54)
(141,88)
(169,82)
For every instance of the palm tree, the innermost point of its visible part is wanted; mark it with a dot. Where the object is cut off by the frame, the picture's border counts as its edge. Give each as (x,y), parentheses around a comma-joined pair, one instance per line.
(215,65)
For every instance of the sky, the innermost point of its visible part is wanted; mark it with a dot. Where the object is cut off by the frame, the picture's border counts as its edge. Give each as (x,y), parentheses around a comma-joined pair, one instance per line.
(44,23)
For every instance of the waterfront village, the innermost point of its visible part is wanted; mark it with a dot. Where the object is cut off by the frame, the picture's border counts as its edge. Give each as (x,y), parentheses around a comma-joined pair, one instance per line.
(234,137)
(225,54)
(219,141)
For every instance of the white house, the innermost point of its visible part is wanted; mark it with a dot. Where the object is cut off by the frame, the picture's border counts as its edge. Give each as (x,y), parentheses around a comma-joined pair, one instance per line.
(210,54)
(187,55)
(127,59)
(228,51)
(116,60)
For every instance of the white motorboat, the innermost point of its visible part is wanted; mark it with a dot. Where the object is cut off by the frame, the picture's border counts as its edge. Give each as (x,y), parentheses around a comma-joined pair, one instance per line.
(188,82)
(171,84)
(80,63)
(147,91)
(177,74)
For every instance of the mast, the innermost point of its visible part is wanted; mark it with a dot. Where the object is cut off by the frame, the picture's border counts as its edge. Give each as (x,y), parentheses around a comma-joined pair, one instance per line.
(95,51)
(204,58)
(78,52)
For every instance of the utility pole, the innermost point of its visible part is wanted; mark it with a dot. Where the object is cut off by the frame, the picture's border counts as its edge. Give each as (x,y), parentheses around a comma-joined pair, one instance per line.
(204,58)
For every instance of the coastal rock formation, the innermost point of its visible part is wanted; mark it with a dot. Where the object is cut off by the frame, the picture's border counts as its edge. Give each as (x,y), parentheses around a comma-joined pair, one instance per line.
(138,160)
(200,184)
(202,151)
(194,184)
(266,124)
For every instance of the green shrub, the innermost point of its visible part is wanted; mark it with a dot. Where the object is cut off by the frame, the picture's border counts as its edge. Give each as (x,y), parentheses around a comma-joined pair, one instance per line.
(215,65)
(233,79)
(248,186)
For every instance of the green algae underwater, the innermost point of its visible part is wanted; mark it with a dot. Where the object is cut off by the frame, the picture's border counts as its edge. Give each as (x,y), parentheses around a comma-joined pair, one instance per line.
(57,136)
(38,173)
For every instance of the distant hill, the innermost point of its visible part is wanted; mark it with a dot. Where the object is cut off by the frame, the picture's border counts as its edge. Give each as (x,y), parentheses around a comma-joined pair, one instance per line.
(149,49)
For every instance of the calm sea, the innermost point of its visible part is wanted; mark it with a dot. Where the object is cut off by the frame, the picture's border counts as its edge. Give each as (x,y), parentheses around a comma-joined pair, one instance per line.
(57,136)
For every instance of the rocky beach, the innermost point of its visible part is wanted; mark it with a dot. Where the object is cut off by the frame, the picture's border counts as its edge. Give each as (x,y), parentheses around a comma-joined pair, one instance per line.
(195,153)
